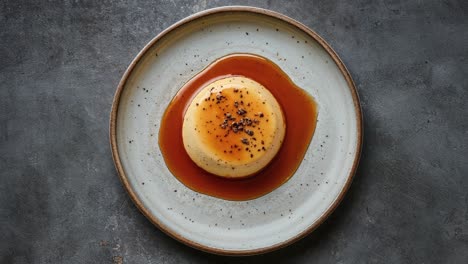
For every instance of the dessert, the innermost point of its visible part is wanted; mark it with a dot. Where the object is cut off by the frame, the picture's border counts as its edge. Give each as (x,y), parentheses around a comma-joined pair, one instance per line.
(233,127)
(299,116)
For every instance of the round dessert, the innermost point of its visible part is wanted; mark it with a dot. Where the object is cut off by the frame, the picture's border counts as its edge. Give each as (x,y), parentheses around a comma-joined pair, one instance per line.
(233,127)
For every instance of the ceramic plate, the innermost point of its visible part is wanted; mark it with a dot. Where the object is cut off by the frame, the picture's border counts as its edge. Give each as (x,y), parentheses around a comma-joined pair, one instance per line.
(212,224)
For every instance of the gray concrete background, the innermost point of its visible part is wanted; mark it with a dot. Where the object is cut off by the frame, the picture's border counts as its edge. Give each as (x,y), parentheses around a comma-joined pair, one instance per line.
(61,200)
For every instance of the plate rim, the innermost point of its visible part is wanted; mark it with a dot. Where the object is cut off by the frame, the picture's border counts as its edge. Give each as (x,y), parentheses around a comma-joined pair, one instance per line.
(235,9)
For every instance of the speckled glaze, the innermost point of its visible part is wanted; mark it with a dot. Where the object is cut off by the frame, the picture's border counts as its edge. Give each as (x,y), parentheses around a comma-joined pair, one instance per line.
(236,227)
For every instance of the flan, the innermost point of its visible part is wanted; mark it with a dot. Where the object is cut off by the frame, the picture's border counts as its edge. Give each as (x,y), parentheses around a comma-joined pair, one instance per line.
(233,127)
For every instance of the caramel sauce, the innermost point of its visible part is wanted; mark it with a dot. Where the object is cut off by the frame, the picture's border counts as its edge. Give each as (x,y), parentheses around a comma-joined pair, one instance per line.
(299,109)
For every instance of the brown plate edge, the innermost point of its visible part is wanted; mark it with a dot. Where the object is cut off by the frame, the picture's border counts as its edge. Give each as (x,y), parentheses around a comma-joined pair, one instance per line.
(226,9)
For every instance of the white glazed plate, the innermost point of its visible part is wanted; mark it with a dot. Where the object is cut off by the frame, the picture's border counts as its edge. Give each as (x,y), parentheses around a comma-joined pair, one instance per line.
(236,227)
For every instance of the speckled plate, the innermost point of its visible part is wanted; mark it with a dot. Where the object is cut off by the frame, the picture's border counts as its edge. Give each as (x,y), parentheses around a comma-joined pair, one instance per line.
(216,225)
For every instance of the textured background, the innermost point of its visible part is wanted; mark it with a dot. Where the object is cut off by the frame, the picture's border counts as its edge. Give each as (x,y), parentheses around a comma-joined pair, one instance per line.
(61,200)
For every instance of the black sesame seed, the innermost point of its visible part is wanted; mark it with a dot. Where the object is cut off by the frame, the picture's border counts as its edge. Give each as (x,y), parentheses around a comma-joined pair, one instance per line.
(241,111)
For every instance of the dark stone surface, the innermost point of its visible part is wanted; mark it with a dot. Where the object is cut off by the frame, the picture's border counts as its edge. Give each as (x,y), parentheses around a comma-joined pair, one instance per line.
(61,200)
